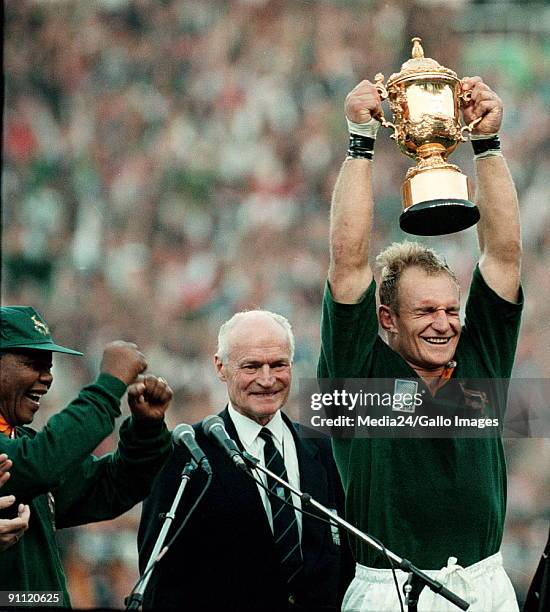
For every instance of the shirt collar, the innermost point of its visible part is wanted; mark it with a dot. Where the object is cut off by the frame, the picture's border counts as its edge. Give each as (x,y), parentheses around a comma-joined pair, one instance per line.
(6,429)
(248,430)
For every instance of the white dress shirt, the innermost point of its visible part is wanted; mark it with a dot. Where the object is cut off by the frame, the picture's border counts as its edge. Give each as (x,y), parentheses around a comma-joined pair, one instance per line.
(248,431)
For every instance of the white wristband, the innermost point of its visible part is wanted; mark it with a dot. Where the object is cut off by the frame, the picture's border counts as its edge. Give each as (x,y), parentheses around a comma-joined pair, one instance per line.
(490,153)
(482,136)
(364,129)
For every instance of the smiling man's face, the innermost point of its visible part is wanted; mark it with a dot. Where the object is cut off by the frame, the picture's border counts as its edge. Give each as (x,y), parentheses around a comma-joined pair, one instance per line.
(25,376)
(426,328)
(257,370)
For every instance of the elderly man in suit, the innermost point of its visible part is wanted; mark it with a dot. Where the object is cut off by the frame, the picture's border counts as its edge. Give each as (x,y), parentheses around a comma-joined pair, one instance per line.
(242,549)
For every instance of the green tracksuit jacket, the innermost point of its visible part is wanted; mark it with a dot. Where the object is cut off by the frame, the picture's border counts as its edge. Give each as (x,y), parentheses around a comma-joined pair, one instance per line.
(65,486)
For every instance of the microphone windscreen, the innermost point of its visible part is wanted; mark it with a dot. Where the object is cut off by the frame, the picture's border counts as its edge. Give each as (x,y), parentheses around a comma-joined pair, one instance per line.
(180,431)
(211,421)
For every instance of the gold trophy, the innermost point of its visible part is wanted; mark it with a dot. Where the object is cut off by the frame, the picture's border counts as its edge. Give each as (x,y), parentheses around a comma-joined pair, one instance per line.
(425,100)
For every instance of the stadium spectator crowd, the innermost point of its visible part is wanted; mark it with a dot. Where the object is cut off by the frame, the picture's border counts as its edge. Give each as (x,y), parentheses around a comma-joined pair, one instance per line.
(168,163)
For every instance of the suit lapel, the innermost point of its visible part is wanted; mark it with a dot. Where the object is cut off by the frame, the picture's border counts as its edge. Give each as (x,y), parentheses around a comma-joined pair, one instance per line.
(313,480)
(230,427)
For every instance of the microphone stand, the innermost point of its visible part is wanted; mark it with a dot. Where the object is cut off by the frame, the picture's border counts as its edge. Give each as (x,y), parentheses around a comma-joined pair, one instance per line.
(402,564)
(135,599)
(412,589)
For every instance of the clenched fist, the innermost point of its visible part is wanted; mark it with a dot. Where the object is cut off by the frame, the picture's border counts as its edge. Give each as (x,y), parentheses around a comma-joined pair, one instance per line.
(149,397)
(123,360)
(363,103)
(484,103)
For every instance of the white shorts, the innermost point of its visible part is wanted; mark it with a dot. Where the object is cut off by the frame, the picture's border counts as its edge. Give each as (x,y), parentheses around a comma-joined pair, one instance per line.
(484,585)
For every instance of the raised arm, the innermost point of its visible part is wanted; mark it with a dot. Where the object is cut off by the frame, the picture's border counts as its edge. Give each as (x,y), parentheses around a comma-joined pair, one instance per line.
(352,205)
(101,489)
(499,227)
(41,460)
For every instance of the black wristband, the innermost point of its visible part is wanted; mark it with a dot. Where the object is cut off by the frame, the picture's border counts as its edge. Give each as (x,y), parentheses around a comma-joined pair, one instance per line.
(361,147)
(483,145)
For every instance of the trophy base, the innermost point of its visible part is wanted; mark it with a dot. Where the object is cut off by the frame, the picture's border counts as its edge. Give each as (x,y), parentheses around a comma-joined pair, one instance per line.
(437,217)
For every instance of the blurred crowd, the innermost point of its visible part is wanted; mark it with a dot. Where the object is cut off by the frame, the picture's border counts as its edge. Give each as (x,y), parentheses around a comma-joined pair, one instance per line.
(166,163)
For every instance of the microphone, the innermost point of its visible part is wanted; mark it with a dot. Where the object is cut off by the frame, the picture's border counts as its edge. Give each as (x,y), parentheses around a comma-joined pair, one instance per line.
(184,434)
(214,428)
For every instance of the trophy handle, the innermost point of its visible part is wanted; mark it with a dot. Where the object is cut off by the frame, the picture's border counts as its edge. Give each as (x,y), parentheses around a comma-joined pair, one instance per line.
(379,84)
(469,128)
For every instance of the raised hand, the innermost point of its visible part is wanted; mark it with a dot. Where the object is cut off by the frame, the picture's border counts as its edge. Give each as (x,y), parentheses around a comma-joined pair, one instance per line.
(363,103)
(123,360)
(149,397)
(484,103)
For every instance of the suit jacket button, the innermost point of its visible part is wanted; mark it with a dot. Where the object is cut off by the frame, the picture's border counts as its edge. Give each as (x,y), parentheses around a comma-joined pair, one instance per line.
(291,599)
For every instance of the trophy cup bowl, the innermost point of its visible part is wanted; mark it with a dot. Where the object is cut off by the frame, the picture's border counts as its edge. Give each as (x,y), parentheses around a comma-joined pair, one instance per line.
(425,100)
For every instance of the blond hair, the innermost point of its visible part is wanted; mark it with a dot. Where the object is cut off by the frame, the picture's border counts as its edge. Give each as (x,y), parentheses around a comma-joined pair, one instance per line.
(399,256)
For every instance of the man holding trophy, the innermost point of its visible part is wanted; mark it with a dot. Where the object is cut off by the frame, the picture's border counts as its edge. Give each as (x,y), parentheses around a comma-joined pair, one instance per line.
(439,502)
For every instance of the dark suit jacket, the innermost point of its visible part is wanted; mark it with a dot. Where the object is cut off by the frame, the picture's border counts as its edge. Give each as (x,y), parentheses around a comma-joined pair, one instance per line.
(225,558)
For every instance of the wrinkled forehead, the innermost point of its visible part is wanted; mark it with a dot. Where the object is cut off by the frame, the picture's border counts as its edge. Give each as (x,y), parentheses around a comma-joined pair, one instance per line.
(418,287)
(257,335)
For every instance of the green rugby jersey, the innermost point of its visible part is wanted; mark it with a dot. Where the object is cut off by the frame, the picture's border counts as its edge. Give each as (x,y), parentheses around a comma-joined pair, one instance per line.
(431,498)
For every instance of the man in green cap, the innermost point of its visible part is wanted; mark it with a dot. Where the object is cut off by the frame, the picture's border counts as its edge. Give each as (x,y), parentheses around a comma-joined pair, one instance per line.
(53,471)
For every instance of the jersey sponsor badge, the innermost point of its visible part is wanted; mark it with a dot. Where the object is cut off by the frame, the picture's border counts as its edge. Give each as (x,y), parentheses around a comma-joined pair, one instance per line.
(404,393)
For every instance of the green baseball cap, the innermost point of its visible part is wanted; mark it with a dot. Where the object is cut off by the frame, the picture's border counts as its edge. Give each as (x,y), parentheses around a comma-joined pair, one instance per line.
(22,327)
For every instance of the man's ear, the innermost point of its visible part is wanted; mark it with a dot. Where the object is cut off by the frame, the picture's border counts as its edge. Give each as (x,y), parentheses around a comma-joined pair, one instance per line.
(387,319)
(220,368)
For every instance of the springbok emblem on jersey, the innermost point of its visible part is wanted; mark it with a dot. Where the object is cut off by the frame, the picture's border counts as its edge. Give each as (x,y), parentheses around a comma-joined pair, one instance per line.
(39,326)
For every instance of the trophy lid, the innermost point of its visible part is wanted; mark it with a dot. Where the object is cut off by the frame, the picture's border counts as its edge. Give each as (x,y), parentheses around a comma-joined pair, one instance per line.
(420,67)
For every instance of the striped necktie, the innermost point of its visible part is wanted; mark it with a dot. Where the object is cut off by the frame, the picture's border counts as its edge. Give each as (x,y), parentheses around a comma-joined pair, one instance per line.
(285,525)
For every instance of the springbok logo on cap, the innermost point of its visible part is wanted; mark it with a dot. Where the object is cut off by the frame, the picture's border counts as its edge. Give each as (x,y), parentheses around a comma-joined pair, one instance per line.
(39,326)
